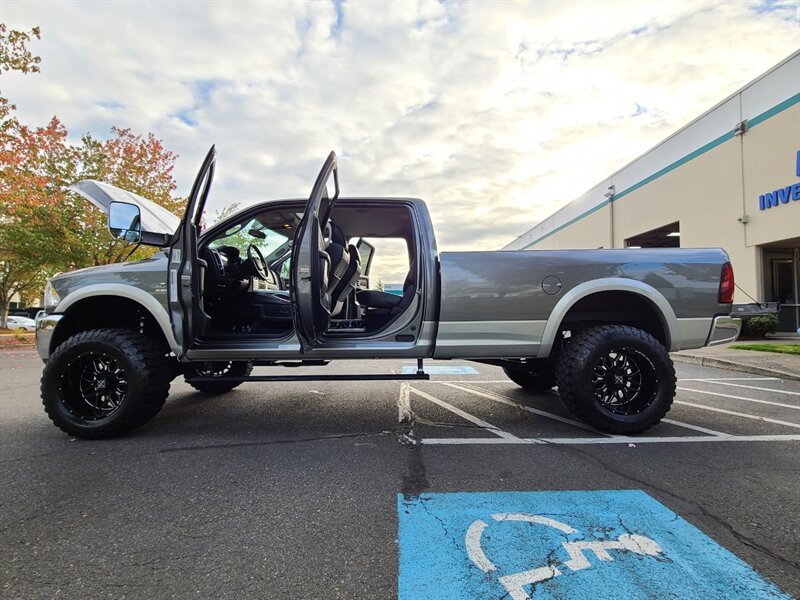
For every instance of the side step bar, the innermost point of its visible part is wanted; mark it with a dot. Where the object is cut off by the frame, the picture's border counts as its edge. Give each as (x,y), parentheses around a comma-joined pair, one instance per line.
(419,375)
(375,377)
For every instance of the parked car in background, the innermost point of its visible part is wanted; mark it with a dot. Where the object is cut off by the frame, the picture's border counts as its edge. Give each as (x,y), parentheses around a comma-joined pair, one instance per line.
(29,312)
(21,324)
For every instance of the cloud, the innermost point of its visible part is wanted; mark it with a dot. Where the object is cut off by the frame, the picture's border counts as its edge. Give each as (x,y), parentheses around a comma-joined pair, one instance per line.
(495,113)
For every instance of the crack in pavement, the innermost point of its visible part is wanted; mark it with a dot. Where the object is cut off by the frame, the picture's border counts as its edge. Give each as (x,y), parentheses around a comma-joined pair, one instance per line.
(749,542)
(335,436)
(416,480)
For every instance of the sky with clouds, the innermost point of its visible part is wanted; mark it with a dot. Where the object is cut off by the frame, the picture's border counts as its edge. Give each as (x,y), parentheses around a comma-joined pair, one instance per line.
(495,113)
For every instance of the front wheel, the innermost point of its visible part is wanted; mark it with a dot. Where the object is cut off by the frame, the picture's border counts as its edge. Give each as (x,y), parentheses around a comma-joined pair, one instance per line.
(104,383)
(617,378)
(218,369)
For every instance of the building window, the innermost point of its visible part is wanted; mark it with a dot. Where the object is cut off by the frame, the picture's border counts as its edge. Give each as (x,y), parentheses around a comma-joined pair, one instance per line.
(668,236)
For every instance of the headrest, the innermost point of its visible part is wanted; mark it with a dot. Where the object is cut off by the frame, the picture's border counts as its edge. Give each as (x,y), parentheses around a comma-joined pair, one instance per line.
(336,234)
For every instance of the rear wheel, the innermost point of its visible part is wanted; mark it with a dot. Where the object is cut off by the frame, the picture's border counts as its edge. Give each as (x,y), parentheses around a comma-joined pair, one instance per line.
(220,369)
(534,379)
(617,378)
(104,383)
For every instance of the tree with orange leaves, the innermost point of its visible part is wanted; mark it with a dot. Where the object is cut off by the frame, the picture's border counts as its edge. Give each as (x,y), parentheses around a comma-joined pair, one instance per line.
(138,164)
(28,159)
(45,228)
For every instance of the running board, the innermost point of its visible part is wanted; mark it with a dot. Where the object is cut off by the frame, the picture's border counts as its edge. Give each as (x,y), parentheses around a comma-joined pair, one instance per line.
(419,375)
(344,377)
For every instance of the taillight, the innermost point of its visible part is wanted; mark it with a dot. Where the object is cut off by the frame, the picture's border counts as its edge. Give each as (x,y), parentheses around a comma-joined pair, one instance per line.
(726,285)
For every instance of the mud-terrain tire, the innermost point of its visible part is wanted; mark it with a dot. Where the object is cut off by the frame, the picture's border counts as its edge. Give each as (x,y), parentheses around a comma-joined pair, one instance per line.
(105,383)
(533,379)
(217,369)
(616,378)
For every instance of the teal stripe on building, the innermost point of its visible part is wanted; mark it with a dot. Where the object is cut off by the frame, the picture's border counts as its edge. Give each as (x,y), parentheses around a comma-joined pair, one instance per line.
(754,122)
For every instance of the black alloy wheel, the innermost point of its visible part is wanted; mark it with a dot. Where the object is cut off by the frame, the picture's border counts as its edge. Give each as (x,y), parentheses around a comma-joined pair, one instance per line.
(104,383)
(94,385)
(219,370)
(625,381)
(617,378)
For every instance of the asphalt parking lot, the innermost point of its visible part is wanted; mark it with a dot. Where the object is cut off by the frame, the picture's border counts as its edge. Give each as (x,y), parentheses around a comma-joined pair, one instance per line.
(295,490)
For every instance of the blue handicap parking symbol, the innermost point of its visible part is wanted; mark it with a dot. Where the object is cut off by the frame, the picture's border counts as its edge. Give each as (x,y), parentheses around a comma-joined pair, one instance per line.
(442,370)
(520,545)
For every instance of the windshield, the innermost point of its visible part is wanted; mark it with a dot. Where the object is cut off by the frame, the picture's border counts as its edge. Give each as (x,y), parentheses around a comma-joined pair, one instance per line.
(269,241)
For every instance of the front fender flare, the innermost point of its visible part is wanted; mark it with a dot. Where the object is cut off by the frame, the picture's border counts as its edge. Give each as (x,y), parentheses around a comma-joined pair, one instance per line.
(608,284)
(147,301)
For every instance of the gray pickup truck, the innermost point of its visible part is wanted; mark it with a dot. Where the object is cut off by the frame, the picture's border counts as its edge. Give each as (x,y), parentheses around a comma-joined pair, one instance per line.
(211,305)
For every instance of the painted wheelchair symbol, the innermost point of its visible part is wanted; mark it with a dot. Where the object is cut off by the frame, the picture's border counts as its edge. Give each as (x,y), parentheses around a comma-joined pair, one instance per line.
(515,583)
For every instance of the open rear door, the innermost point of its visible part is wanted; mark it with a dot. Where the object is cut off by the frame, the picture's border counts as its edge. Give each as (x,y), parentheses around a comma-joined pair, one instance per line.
(310,263)
(183,282)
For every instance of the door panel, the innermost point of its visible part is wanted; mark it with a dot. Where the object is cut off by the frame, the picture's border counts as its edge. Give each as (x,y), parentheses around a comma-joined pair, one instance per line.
(310,302)
(184,280)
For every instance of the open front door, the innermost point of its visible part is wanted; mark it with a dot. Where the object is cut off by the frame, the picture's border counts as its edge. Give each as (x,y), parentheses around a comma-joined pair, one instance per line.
(183,282)
(311,308)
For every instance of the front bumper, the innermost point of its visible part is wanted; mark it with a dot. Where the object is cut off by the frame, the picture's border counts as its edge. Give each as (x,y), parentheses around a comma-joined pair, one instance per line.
(45,325)
(724,329)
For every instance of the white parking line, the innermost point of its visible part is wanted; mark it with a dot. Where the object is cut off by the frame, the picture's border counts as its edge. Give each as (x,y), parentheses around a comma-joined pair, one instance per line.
(508,381)
(713,379)
(464,415)
(756,400)
(470,386)
(404,414)
(752,387)
(696,428)
(466,381)
(738,414)
(617,440)
(504,400)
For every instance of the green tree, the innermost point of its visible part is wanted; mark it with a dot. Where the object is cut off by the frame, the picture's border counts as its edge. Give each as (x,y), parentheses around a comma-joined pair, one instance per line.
(14,53)
(25,190)
(36,232)
(15,56)
(45,228)
(139,164)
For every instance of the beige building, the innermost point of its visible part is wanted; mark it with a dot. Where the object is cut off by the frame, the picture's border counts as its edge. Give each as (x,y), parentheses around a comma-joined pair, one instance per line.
(730,178)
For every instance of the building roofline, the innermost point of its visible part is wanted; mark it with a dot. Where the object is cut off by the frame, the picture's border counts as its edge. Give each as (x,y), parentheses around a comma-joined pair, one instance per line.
(677,132)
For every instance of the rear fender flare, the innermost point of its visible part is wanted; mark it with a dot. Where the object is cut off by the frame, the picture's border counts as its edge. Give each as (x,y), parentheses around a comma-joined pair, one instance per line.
(608,284)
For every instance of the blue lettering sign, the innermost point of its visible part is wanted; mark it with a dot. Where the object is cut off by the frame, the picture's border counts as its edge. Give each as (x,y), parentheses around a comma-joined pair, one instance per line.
(770,199)
(781,195)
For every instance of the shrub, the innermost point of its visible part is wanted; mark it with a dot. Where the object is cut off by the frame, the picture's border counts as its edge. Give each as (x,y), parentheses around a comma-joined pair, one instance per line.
(760,326)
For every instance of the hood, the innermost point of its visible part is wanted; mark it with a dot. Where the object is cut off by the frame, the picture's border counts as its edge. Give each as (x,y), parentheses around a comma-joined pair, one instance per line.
(155,219)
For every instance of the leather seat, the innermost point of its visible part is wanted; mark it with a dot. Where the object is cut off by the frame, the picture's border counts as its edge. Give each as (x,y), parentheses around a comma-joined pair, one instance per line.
(384,300)
(339,258)
(378,299)
(348,282)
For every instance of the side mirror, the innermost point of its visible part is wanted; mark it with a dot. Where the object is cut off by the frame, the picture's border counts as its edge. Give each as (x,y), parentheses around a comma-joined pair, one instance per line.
(125,222)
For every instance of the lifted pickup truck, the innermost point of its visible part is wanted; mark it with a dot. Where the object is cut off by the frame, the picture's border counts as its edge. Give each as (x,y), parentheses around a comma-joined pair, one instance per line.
(210,306)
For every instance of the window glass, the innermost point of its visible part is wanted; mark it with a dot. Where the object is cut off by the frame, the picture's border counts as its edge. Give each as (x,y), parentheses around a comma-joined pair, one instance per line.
(252,232)
(389,265)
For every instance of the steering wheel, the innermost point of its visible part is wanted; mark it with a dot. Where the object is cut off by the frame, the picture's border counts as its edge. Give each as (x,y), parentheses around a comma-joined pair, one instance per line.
(257,263)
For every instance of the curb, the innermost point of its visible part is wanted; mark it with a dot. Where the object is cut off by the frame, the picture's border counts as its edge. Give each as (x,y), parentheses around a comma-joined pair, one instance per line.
(729,365)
